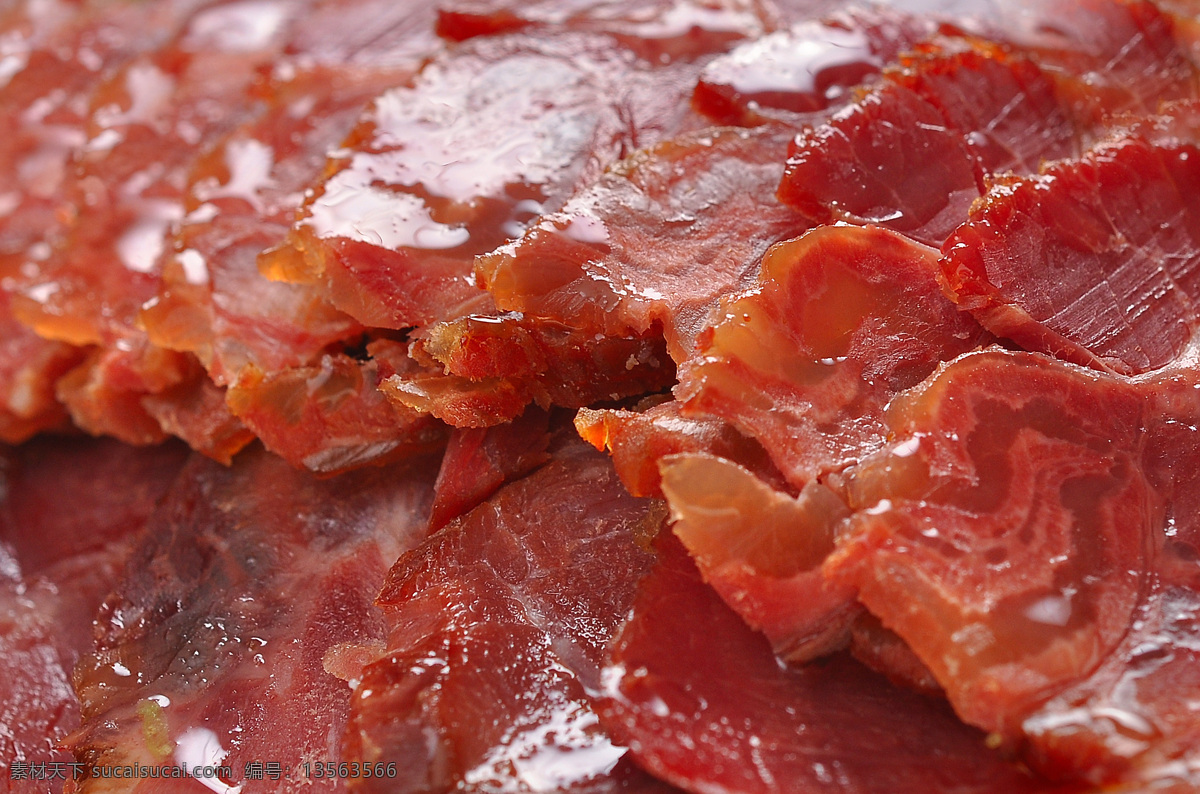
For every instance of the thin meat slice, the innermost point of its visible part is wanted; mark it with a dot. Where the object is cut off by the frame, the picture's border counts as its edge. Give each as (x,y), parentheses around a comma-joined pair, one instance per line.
(239,621)
(145,122)
(498,627)
(29,367)
(485,369)
(846,317)
(811,66)
(1095,260)
(1110,56)
(637,439)
(330,416)
(479,460)
(1017,538)
(72,509)
(703,703)
(212,300)
(658,31)
(487,138)
(54,55)
(762,551)
(244,191)
(654,242)
(913,153)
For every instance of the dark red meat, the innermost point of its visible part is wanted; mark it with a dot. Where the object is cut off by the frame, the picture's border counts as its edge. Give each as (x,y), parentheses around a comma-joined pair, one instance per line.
(1095,260)
(499,625)
(479,460)
(239,616)
(703,703)
(70,513)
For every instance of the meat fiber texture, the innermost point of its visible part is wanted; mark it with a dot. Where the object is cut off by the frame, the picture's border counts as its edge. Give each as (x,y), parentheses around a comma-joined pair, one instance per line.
(703,395)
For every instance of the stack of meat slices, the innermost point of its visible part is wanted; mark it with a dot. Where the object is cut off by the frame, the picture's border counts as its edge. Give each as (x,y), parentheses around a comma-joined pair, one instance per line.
(705,395)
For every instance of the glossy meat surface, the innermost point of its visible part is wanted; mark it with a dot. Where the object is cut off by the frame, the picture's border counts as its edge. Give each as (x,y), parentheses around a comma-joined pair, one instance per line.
(516,599)
(64,533)
(844,319)
(705,704)
(241,616)
(912,154)
(1095,260)
(657,240)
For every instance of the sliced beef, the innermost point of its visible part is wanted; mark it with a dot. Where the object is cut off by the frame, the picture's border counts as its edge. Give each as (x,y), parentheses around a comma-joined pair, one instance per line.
(71,511)
(517,599)
(1095,260)
(479,460)
(658,31)
(913,153)
(144,124)
(1028,536)
(762,551)
(331,416)
(704,704)
(241,617)
(55,55)
(485,369)
(638,439)
(844,319)
(488,137)
(656,241)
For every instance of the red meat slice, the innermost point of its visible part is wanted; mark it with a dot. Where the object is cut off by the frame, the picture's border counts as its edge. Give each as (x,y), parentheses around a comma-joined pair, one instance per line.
(1095,260)
(331,416)
(703,703)
(658,31)
(498,627)
(912,154)
(656,241)
(146,120)
(846,317)
(71,511)
(479,460)
(1018,536)
(55,56)
(638,439)
(488,138)
(762,551)
(808,67)
(1110,57)
(250,596)
(485,369)
(244,191)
